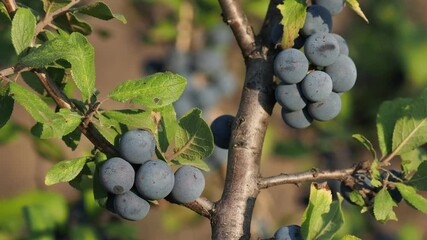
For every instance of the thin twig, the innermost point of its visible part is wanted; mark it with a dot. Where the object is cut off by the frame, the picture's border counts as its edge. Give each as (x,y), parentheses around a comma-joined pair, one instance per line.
(202,206)
(296,178)
(86,127)
(11,6)
(49,17)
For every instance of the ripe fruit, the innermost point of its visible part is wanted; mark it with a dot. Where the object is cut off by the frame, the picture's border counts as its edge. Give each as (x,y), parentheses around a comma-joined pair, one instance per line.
(221,130)
(291,232)
(137,146)
(130,206)
(333,6)
(189,184)
(343,73)
(154,180)
(290,65)
(318,19)
(290,96)
(116,175)
(327,109)
(297,119)
(316,86)
(321,49)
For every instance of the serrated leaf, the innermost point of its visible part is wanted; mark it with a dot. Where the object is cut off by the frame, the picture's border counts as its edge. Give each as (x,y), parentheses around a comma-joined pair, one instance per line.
(354,4)
(73,48)
(62,123)
(69,22)
(6,105)
(376,175)
(102,11)
(383,206)
(51,6)
(65,171)
(388,114)
(109,128)
(34,105)
(410,130)
(167,126)
(50,124)
(410,195)
(193,140)
(293,17)
(356,198)
(412,160)
(322,217)
(368,145)
(419,180)
(154,91)
(23,29)
(132,118)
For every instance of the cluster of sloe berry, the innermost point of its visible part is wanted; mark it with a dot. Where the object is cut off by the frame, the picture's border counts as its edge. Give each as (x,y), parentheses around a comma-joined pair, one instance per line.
(362,183)
(312,79)
(135,177)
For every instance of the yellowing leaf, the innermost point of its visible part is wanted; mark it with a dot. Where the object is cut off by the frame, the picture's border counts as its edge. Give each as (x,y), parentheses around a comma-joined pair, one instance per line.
(293,12)
(354,4)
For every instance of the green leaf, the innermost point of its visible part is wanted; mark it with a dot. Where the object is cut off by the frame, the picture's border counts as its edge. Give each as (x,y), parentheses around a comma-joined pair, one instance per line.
(6,105)
(376,175)
(51,6)
(3,11)
(411,197)
(62,123)
(293,13)
(154,91)
(193,140)
(387,116)
(167,126)
(54,206)
(368,145)
(383,206)
(350,237)
(109,128)
(48,149)
(75,49)
(65,171)
(100,10)
(410,130)
(34,105)
(72,139)
(132,118)
(354,4)
(9,132)
(419,180)
(356,198)
(71,23)
(411,160)
(322,217)
(23,29)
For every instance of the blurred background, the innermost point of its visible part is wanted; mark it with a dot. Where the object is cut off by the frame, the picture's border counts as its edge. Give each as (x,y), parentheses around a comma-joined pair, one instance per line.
(189,38)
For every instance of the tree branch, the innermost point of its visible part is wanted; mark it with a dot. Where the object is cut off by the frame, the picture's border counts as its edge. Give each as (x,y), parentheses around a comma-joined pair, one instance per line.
(312,175)
(234,16)
(202,206)
(233,212)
